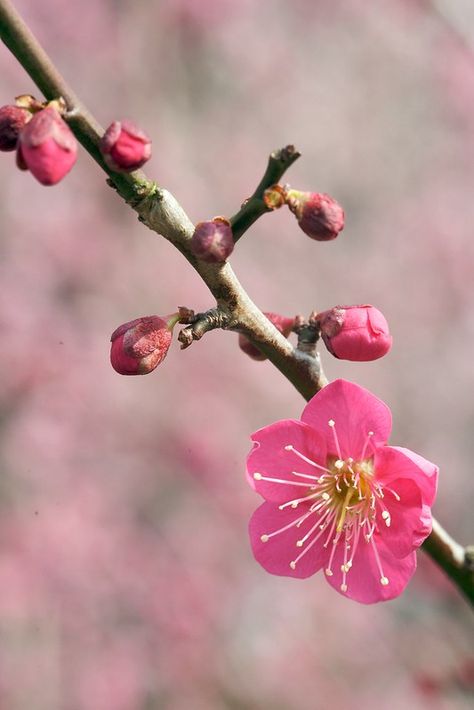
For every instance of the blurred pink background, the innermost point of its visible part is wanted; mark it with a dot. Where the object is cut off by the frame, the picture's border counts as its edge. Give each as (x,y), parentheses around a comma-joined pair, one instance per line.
(126,576)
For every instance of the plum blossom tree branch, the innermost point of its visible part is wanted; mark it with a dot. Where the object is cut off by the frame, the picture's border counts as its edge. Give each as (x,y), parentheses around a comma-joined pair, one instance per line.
(456,561)
(161,212)
(253,208)
(202,323)
(19,39)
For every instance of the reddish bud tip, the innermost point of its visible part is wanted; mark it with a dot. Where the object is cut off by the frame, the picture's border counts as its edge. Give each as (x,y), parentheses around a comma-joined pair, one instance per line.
(357,333)
(282,323)
(12,121)
(47,147)
(213,240)
(140,345)
(319,216)
(125,147)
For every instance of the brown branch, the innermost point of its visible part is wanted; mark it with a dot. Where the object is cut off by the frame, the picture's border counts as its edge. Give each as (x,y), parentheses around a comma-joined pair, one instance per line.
(161,212)
(202,323)
(455,560)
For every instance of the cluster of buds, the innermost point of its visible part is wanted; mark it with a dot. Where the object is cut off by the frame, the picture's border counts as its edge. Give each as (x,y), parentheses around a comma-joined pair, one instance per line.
(45,145)
(318,214)
(140,345)
(356,333)
(43,141)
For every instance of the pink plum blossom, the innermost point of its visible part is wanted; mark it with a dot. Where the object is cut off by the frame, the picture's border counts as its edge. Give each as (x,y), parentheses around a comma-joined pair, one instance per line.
(318,214)
(213,240)
(338,498)
(357,333)
(125,147)
(140,345)
(47,147)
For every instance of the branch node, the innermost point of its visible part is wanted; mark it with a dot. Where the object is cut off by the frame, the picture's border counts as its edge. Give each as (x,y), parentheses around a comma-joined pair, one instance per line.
(469,558)
(201,323)
(308,332)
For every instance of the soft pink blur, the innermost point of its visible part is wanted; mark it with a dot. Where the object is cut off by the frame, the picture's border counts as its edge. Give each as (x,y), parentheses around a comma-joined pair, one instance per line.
(127,578)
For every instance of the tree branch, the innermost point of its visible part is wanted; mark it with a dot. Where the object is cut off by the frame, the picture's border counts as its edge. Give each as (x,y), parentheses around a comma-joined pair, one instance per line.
(202,323)
(161,212)
(456,560)
(253,208)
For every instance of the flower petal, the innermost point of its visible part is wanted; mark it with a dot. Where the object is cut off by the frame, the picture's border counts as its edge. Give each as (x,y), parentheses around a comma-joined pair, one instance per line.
(270,459)
(424,527)
(363,579)
(396,462)
(276,554)
(355,411)
(404,534)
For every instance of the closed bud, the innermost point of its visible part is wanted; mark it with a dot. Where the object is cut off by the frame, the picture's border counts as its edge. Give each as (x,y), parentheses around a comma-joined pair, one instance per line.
(318,214)
(282,323)
(213,240)
(47,147)
(138,347)
(358,333)
(12,121)
(125,147)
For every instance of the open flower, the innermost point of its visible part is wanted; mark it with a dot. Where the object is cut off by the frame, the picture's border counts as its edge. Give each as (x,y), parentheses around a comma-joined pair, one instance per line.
(337,498)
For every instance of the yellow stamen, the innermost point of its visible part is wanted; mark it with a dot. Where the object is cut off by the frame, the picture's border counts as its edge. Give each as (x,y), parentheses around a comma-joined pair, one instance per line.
(342,517)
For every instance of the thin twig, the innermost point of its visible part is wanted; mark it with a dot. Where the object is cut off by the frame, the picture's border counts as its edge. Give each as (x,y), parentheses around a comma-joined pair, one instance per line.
(201,324)
(253,208)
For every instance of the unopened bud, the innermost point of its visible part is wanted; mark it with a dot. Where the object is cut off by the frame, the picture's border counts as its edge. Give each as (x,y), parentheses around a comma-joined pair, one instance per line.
(138,347)
(318,214)
(212,240)
(125,147)
(357,333)
(282,323)
(12,121)
(47,146)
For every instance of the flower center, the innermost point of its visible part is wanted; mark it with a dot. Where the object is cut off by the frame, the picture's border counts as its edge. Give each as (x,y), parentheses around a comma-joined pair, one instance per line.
(344,501)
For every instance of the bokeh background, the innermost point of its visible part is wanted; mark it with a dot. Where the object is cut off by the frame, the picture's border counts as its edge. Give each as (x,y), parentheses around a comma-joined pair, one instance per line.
(126,576)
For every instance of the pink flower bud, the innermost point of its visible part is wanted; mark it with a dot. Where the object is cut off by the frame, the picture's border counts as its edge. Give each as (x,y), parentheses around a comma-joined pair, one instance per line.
(357,333)
(213,240)
(47,146)
(12,121)
(138,347)
(282,323)
(319,216)
(125,147)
